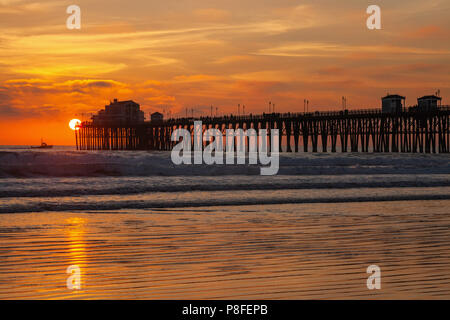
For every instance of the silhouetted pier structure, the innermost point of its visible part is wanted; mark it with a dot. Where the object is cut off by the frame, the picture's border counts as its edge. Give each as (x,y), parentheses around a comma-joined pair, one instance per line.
(345,131)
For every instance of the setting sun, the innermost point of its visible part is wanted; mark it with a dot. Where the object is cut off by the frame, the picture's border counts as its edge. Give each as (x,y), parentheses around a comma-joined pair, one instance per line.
(74,123)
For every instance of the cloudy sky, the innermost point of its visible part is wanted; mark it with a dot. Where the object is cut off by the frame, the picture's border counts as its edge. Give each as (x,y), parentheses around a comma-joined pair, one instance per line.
(176,54)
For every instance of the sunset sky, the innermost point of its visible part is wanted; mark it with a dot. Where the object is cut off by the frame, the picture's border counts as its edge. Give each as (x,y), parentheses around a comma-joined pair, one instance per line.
(175,54)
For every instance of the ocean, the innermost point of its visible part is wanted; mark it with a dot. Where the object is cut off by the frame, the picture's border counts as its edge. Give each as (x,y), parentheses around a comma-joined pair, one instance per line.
(140,227)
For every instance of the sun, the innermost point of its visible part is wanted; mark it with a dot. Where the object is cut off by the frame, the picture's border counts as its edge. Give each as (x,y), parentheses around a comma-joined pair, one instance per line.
(74,123)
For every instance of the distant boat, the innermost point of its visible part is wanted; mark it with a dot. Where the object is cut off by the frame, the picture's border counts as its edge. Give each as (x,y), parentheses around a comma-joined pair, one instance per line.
(42,146)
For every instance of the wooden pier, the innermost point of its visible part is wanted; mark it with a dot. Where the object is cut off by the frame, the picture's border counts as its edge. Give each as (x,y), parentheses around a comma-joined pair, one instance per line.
(345,131)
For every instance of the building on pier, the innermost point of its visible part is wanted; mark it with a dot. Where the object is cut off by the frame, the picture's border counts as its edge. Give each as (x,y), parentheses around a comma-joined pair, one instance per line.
(156,117)
(119,112)
(392,103)
(429,103)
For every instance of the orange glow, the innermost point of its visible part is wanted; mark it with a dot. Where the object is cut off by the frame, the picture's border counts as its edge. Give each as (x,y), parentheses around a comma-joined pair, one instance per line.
(74,123)
(199,56)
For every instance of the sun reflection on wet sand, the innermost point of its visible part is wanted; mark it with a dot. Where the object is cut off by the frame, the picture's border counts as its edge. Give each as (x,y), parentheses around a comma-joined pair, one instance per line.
(77,248)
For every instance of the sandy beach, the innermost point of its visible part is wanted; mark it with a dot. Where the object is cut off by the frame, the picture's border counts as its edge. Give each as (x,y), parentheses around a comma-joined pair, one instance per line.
(290,251)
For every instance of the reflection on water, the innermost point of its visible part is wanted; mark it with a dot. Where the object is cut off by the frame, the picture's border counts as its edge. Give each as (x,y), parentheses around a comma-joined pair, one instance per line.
(76,248)
(286,251)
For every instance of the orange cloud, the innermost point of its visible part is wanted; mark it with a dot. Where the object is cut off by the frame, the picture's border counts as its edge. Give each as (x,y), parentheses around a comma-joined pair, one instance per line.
(212,15)
(203,53)
(430,31)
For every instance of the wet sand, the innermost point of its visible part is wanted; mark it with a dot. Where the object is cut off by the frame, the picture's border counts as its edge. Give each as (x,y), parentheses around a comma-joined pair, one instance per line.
(283,251)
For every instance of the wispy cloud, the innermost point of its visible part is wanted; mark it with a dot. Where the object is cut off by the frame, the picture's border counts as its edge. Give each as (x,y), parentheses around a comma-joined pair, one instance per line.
(182,54)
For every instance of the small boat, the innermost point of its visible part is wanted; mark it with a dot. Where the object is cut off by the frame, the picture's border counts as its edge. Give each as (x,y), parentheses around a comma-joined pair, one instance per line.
(42,146)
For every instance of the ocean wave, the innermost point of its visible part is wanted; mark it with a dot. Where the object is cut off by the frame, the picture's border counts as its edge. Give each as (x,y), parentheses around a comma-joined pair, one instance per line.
(144,163)
(76,187)
(161,204)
